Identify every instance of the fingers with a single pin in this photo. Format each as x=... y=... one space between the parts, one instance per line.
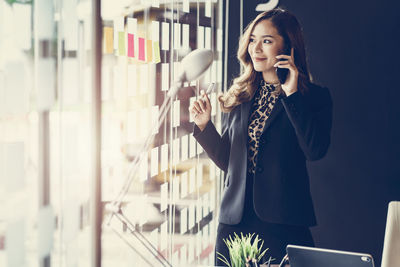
x=281 y=64
x=207 y=100
x=197 y=107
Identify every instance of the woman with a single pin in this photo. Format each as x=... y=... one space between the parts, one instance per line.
x=271 y=129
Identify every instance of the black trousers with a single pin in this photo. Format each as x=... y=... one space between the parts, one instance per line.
x=275 y=236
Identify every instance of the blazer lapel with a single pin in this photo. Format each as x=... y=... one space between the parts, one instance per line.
x=278 y=108
x=245 y=110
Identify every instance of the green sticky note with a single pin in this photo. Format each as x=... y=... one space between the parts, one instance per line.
x=121 y=43
x=156 y=51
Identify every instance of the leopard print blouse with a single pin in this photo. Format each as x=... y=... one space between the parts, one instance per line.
x=265 y=99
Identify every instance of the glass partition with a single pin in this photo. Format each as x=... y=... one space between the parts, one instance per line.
x=160 y=192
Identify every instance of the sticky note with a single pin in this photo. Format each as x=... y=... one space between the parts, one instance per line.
x=143 y=167
x=154 y=119
x=151 y=82
x=45 y=82
x=184 y=147
x=208 y=37
x=156 y=51
x=176 y=113
x=219 y=71
x=164 y=196
x=219 y=39
x=191 y=250
x=175 y=258
x=198 y=243
x=165 y=76
x=155 y=30
x=184 y=217
x=164 y=157
x=132 y=25
x=46 y=226
x=213 y=100
x=118 y=27
x=71 y=219
x=177 y=70
x=184 y=184
x=204 y=205
x=44 y=13
x=142 y=44
x=175 y=151
x=185 y=36
x=192 y=178
x=70 y=80
x=149 y=50
x=121 y=43
x=192 y=147
x=184 y=259
x=199 y=175
x=144 y=122
x=213 y=72
x=164 y=235
x=108 y=40
x=132 y=29
x=23 y=33
x=144 y=78
x=185 y=7
x=132 y=80
x=175 y=188
x=155 y=3
x=199 y=210
x=154 y=162
x=200 y=37
x=207 y=9
x=165 y=36
x=131 y=45
x=12 y=165
x=177 y=35
x=15 y=246
x=191 y=216
x=212 y=199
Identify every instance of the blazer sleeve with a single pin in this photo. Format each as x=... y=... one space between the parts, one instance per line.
x=312 y=121
x=217 y=146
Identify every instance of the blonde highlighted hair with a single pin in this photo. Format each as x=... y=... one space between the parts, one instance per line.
x=245 y=86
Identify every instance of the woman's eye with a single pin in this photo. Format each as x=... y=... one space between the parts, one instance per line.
x=251 y=40
x=266 y=41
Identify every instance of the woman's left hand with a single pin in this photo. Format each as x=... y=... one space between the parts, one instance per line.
x=290 y=85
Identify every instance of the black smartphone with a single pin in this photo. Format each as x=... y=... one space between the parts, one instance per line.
x=282 y=72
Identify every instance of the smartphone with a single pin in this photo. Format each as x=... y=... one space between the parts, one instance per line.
x=282 y=72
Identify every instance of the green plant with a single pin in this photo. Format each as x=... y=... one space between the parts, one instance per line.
x=11 y=2
x=241 y=250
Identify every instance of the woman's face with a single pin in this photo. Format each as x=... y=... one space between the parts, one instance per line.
x=264 y=45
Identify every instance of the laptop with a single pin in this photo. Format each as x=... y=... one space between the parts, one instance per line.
x=300 y=256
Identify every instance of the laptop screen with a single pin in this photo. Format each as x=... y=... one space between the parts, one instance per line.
x=300 y=256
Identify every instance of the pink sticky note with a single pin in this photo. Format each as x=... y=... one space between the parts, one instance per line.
x=142 y=44
x=131 y=46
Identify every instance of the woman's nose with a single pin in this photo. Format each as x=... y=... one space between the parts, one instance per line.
x=258 y=47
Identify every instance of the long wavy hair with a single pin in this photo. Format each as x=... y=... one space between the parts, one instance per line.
x=245 y=86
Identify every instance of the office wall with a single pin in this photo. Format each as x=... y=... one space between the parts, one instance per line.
x=352 y=48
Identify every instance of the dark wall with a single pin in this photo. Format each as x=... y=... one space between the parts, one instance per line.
x=353 y=48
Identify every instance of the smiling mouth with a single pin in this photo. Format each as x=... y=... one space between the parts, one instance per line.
x=258 y=59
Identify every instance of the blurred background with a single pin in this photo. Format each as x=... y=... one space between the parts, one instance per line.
x=47 y=161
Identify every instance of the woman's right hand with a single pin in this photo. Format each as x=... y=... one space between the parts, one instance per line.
x=200 y=111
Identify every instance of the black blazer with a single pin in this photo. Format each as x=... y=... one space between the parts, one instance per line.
x=298 y=129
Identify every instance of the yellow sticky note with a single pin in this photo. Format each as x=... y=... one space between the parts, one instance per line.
x=108 y=40
x=121 y=43
x=156 y=48
x=149 y=47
